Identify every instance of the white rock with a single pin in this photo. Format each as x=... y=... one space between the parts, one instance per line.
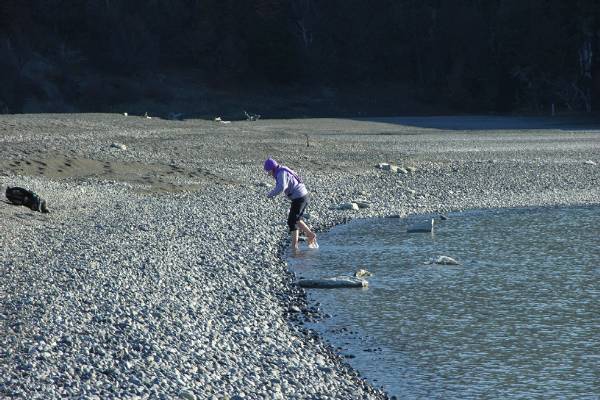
x=590 y=162
x=362 y=203
x=445 y=260
x=222 y=121
x=361 y=273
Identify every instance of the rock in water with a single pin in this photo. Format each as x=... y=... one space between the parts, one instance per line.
x=333 y=283
x=445 y=260
x=361 y=273
x=417 y=227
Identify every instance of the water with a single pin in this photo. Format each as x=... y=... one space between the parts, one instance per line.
x=519 y=318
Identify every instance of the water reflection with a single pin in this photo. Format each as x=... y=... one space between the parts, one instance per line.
x=518 y=318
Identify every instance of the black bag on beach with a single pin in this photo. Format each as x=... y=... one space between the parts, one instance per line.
x=23 y=197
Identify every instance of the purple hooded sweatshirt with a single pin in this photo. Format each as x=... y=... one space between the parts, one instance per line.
x=288 y=182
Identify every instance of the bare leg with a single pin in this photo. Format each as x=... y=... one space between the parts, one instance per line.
x=306 y=230
x=295 y=239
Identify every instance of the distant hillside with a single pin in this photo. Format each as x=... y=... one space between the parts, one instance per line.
x=299 y=57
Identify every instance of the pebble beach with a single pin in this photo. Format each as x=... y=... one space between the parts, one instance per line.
x=160 y=270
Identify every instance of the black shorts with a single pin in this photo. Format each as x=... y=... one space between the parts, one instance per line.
x=296 y=212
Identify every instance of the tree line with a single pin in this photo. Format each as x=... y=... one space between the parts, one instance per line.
x=471 y=55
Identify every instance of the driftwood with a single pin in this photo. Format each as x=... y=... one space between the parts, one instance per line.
x=426 y=227
x=333 y=283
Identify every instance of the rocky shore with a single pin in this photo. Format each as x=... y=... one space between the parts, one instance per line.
x=160 y=270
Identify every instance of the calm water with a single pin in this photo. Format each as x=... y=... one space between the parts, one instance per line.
x=520 y=318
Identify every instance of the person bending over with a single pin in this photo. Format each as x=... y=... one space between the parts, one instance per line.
x=288 y=182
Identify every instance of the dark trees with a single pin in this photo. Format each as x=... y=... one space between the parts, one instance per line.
x=471 y=55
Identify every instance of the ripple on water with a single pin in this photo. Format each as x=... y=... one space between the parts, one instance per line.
x=519 y=317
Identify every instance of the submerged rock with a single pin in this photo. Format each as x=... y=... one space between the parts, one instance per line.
x=443 y=260
x=333 y=283
x=418 y=227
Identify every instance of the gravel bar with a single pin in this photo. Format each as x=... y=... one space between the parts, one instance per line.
x=160 y=271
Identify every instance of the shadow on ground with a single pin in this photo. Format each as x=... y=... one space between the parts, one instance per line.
x=484 y=122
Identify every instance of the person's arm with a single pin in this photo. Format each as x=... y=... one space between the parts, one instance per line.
x=280 y=185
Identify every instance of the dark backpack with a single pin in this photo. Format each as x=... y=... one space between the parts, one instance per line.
x=27 y=198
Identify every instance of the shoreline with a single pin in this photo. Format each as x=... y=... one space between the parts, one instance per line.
x=352 y=339
x=166 y=261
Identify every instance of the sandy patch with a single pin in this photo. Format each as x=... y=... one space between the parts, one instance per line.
x=147 y=177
